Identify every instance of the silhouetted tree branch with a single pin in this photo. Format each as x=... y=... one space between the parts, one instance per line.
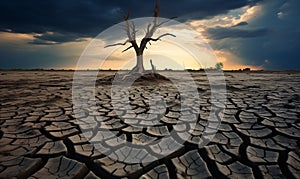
x=127 y=49
x=158 y=38
x=117 y=44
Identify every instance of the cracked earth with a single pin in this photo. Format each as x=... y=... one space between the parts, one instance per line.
x=40 y=135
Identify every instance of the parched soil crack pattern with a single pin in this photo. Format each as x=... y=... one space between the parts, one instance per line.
x=40 y=135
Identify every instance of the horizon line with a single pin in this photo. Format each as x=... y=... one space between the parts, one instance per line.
x=112 y=70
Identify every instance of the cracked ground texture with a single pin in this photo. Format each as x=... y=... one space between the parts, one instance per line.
x=40 y=136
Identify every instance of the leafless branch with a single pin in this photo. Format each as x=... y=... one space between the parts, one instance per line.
x=156 y=9
x=117 y=44
x=133 y=30
x=166 y=34
x=129 y=35
x=166 y=21
x=128 y=48
x=124 y=15
x=133 y=26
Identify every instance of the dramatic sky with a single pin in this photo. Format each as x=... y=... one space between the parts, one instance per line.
x=261 y=34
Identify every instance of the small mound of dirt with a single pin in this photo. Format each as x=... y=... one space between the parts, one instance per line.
x=139 y=79
x=152 y=77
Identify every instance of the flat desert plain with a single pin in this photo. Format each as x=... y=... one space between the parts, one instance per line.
x=42 y=134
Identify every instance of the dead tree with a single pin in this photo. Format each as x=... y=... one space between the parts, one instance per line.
x=130 y=29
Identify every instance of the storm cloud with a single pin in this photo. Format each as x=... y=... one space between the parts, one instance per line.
x=222 y=33
x=86 y=18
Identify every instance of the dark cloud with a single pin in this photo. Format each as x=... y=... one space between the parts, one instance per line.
x=55 y=38
x=279 y=45
x=47 y=57
x=222 y=33
x=88 y=17
x=241 y=24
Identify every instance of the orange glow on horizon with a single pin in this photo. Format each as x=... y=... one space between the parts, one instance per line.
x=117 y=61
x=231 y=62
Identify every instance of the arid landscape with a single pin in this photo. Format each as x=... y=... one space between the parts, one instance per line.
x=42 y=137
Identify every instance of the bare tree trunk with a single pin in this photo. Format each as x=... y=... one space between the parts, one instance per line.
x=139 y=67
x=139 y=64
